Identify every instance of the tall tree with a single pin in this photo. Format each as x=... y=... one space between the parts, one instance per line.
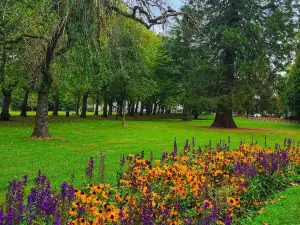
x=236 y=32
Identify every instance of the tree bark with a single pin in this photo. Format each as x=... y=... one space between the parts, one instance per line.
x=162 y=110
x=5 y=116
x=97 y=105
x=196 y=114
x=224 y=118
x=56 y=104
x=84 y=105
x=77 y=105
x=154 y=109
x=136 y=108
x=186 y=113
x=105 y=108
x=110 y=103
x=67 y=113
x=41 y=129
x=148 y=108
x=131 y=109
x=142 y=109
x=24 y=103
x=120 y=109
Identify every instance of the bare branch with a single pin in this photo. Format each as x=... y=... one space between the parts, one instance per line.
x=138 y=12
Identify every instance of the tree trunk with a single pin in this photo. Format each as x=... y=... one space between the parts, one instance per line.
x=77 y=105
x=97 y=105
x=186 y=113
x=136 y=108
x=105 y=108
x=56 y=104
x=24 y=103
x=5 y=116
x=154 y=109
x=131 y=109
x=120 y=109
x=110 y=107
x=41 y=129
x=67 y=113
x=224 y=118
x=84 y=105
x=148 y=108
x=196 y=114
x=162 y=110
x=142 y=109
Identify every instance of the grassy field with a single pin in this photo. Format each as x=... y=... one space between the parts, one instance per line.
x=74 y=140
x=286 y=210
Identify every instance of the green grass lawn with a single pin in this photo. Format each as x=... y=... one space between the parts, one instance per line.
x=75 y=140
x=285 y=211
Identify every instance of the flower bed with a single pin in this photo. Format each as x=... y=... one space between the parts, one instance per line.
x=192 y=187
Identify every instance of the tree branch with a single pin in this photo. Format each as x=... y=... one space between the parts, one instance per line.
x=23 y=36
x=149 y=20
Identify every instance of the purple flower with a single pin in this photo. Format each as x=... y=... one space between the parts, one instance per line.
x=14 y=202
x=67 y=191
x=25 y=179
x=193 y=142
x=122 y=160
x=227 y=220
x=89 y=169
x=41 y=201
x=57 y=219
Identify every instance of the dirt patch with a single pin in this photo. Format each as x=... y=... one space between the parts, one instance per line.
x=46 y=139
x=253 y=130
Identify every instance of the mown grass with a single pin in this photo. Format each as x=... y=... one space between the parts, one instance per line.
x=74 y=140
x=285 y=211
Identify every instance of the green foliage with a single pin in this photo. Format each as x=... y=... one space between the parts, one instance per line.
x=293 y=87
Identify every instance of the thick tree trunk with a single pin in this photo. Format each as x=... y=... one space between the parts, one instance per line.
x=224 y=118
x=56 y=104
x=110 y=107
x=84 y=105
x=24 y=103
x=5 y=116
x=67 y=113
x=77 y=105
x=105 y=108
x=97 y=105
x=41 y=129
x=162 y=110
